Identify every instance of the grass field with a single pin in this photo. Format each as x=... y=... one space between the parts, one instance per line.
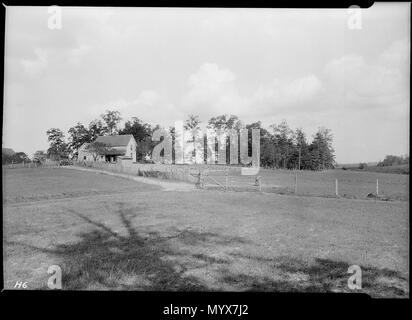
x=109 y=233
x=351 y=184
x=397 y=169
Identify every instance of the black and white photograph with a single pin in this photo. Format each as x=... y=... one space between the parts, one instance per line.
x=207 y=149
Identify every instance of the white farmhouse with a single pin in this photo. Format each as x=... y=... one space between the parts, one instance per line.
x=119 y=147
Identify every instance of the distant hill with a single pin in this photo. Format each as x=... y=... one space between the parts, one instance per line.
x=399 y=169
x=351 y=165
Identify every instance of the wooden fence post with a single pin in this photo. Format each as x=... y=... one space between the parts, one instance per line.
x=296 y=183
x=336 y=188
x=227 y=180
x=199 y=179
x=377 y=187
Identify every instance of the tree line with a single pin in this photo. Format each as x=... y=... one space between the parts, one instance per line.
x=280 y=146
x=9 y=156
x=391 y=160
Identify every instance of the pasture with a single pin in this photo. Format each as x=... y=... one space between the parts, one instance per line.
x=109 y=233
x=351 y=184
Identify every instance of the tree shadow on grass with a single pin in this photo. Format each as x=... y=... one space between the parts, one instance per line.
x=106 y=260
x=319 y=275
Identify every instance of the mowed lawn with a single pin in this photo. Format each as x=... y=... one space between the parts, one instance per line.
x=109 y=233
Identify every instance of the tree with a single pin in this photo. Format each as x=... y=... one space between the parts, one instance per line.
x=225 y=122
x=321 y=150
x=265 y=143
x=97 y=148
x=79 y=135
x=172 y=132
x=19 y=157
x=97 y=128
x=112 y=119
x=7 y=151
x=391 y=160
x=301 y=154
x=142 y=134
x=192 y=124
x=58 y=148
x=9 y=156
x=6 y=155
x=283 y=147
x=39 y=156
x=144 y=148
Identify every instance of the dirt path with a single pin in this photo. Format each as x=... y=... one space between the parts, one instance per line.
x=166 y=185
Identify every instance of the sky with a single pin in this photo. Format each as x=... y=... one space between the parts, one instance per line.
x=305 y=66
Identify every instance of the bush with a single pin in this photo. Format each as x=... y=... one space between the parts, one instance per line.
x=65 y=162
x=145 y=161
x=363 y=166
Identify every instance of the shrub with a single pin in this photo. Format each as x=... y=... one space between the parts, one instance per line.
x=65 y=162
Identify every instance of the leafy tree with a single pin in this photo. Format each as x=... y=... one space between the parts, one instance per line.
x=78 y=136
x=225 y=122
x=192 y=124
x=7 y=151
x=9 y=156
x=282 y=144
x=265 y=142
x=97 y=148
x=156 y=127
x=112 y=119
x=391 y=160
x=321 y=150
x=172 y=131
x=144 y=148
x=58 y=148
x=137 y=128
x=19 y=157
x=39 y=156
x=6 y=155
x=97 y=128
x=142 y=133
x=301 y=154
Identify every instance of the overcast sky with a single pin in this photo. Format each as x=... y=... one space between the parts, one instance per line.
x=304 y=66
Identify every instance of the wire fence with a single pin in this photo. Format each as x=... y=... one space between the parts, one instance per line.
x=331 y=183
x=168 y=172
x=30 y=164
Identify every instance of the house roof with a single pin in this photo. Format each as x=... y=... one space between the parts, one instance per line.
x=115 y=141
x=84 y=146
x=115 y=151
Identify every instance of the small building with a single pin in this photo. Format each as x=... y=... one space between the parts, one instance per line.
x=119 y=147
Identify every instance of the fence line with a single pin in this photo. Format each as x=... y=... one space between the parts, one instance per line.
x=229 y=178
x=31 y=165
x=336 y=188
x=377 y=187
x=170 y=172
